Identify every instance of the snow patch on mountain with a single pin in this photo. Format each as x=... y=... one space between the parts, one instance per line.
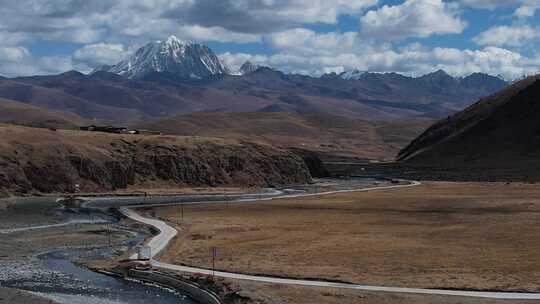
x=248 y=68
x=352 y=75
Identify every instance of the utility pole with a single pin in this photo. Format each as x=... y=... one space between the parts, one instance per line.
x=109 y=234
x=214 y=253
x=180 y=218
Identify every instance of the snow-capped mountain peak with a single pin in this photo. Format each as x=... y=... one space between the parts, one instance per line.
x=183 y=59
x=248 y=67
x=173 y=41
x=352 y=75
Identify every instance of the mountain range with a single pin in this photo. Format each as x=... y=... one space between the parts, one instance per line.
x=170 y=79
x=101 y=95
x=174 y=77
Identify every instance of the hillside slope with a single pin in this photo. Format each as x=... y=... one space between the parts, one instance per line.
x=498 y=137
x=18 y=113
x=55 y=94
x=316 y=132
x=40 y=160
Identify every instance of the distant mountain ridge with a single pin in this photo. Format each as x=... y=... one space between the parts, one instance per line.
x=190 y=60
x=173 y=77
x=438 y=78
x=352 y=74
x=109 y=96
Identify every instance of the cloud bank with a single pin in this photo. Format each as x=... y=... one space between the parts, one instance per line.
x=301 y=36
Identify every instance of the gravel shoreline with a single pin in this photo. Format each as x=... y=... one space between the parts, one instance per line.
x=16 y=296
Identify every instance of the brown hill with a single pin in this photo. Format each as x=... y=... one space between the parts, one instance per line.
x=56 y=99
x=316 y=132
x=41 y=160
x=496 y=138
x=14 y=112
x=145 y=98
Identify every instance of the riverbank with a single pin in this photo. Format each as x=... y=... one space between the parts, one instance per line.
x=14 y=296
x=41 y=238
x=40 y=254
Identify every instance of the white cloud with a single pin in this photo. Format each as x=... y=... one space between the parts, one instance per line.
x=319 y=10
x=308 y=41
x=527 y=9
x=85 y=22
x=39 y=20
x=13 y=61
x=100 y=53
x=36 y=66
x=108 y=30
x=412 y=60
x=263 y=16
x=77 y=35
x=16 y=53
x=54 y=64
x=513 y=36
x=8 y=38
x=413 y=18
x=219 y=34
x=489 y=4
x=235 y=60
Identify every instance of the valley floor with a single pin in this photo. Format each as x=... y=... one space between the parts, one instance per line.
x=480 y=236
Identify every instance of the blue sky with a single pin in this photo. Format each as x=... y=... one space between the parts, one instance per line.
x=299 y=36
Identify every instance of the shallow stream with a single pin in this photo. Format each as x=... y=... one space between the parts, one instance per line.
x=54 y=275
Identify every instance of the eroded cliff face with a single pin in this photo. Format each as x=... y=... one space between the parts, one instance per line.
x=314 y=162
x=40 y=160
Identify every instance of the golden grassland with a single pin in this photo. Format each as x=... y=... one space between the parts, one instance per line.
x=439 y=235
x=274 y=294
x=329 y=133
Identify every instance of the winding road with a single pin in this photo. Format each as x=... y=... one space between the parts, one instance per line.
x=167 y=233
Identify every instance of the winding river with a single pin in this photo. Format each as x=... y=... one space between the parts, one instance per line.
x=61 y=280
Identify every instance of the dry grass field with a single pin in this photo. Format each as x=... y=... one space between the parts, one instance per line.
x=438 y=235
x=319 y=132
x=279 y=294
x=20 y=113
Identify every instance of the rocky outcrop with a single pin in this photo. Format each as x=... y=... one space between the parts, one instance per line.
x=313 y=161
x=66 y=162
